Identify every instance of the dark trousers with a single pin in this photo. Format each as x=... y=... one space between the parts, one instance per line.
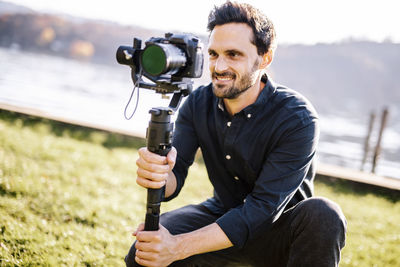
x=312 y=233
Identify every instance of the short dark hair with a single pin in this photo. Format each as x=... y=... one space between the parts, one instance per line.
x=263 y=29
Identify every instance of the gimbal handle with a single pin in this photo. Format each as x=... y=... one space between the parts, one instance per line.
x=159 y=140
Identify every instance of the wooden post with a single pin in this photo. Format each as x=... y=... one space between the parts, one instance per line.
x=367 y=139
x=378 y=144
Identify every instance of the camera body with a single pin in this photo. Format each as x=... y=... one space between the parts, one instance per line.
x=170 y=62
x=176 y=47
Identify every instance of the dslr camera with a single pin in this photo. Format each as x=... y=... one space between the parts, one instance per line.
x=169 y=62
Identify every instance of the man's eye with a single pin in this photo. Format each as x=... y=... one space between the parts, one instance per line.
x=212 y=54
x=233 y=54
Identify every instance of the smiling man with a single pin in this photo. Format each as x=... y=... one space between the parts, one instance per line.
x=258 y=141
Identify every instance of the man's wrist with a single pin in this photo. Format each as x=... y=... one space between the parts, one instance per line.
x=182 y=247
x=203 y=240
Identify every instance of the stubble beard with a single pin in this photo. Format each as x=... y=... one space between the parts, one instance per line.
x=235 y=90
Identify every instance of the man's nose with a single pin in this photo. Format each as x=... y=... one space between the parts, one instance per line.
x=220 y=65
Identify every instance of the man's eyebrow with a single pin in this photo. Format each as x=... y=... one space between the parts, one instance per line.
x=235 y=51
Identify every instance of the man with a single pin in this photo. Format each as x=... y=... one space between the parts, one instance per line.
x=258 y=141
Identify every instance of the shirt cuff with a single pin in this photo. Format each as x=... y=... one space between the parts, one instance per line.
x=234 y=227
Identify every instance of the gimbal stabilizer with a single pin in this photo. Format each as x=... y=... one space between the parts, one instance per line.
x=169 y=63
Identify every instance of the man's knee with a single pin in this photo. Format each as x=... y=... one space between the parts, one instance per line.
x=318 y=230
x=321 y=204
x=325 y=216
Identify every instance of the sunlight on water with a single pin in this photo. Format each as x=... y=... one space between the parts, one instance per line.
x=74 y=90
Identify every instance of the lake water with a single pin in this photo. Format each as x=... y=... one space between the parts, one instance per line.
x=97 y=95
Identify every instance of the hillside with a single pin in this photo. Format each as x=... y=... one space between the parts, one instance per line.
x=81 y=39
x=355 y=76
x=9 y=8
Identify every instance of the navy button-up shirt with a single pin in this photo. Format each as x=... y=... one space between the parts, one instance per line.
x=259 y=160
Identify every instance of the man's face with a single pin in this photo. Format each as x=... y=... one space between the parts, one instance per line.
x=233 y=59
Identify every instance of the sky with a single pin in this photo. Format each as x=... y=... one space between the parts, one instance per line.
x=296 y=21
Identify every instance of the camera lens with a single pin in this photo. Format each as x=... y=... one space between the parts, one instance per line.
x=160 y=59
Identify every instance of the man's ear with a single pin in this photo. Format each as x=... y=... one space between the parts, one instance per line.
x=267 y=59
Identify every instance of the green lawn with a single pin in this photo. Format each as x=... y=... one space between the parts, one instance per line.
x=68 y=198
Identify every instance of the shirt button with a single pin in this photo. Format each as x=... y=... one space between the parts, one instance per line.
x=249 y=115
x=228 y=157
x=236 y=178
x=229 y=123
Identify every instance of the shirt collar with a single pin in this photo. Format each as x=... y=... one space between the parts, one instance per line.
x=221 y=105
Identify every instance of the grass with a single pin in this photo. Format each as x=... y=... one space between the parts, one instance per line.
x=68 y=198
x=373 y=229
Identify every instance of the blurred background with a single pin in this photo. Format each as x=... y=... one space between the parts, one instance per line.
x=57 y=59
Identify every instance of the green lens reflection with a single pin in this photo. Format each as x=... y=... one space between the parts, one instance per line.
x=154 y=60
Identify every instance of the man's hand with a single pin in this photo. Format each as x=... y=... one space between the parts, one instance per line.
x=160 y=248
x=155 y=248
x=154 y=170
